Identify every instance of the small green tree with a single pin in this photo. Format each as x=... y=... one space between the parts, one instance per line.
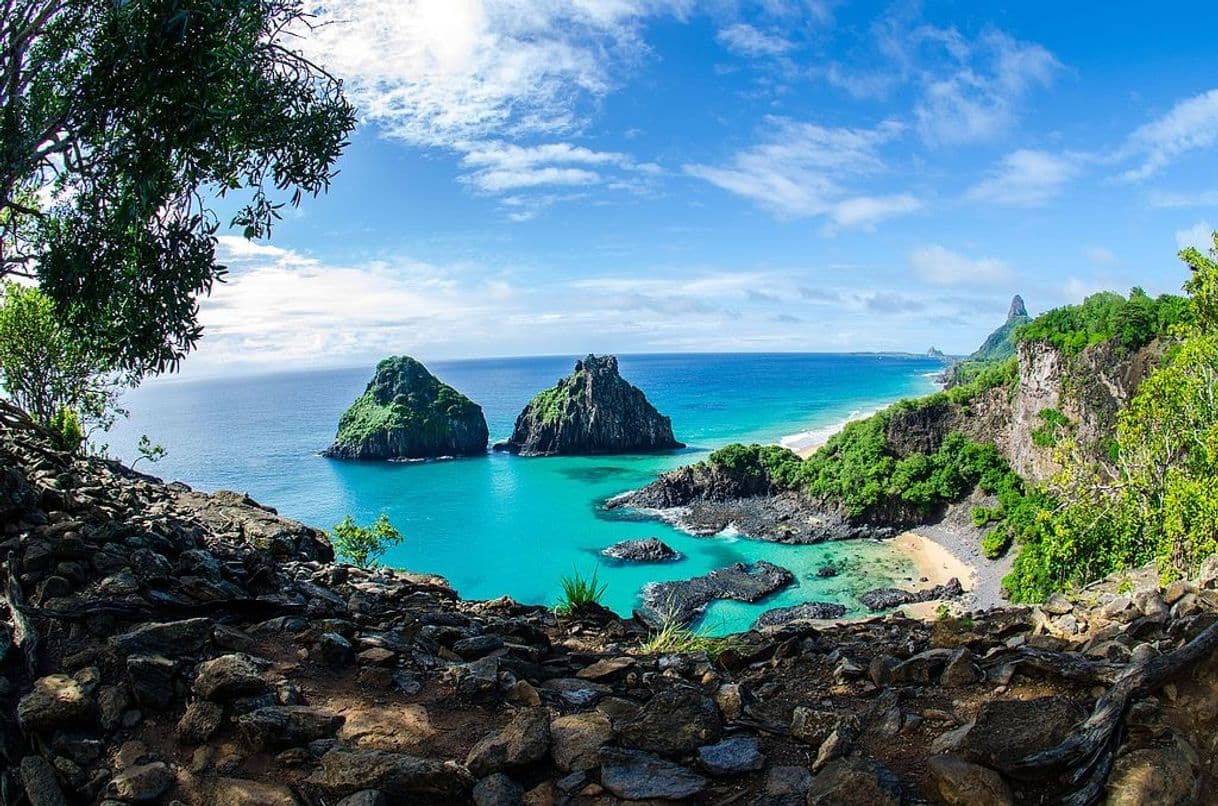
x=364 y=545
x=46 y=372
x=149 y=451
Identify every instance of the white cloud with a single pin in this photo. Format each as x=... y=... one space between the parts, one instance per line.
x=499 y=166
x=745 y=40
x=1026 y=177
x=1191 y=124
x=974 y=88
x=1203 y=198
x=939 y=265
x=798 y=169
x=1200 y=235
x=436 y=72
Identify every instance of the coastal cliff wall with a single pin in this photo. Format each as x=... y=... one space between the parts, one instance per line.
x=1087 y=390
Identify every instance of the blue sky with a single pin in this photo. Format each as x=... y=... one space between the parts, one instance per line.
x=563 y=176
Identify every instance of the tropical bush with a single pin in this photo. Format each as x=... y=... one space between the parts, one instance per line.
x=364 y=545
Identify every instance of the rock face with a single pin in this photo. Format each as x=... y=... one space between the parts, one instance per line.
x=592 y=411
x=408 y=413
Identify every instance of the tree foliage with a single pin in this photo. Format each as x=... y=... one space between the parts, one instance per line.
x=46 y=372
x=364 y=545
x=1131 y=321
x=121 y=126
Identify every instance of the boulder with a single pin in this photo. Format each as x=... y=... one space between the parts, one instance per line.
x=960 y=783
x=855 y=782
x=171 y=639
x=229 y=677
x=888 y=598
x=287 y=726
x=40 y=783
x=646 y=550
x=141 y=783
x=1007 y=730
x=734 y=756
x=152 y=680
x=498 y=790
x=407 y=413
x=674 y=721
x=403 y=778
x=201 y=720
x=577 y=739
x=592 y=411
x=523 y=741
x=635 y=775
x=56 y=701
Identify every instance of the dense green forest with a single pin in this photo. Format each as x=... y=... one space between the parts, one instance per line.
x=1155 y=498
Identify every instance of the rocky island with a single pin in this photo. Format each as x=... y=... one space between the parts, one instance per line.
x=408 y=413
x=594 y=410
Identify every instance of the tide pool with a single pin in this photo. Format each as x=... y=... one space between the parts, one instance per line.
x=503 y=524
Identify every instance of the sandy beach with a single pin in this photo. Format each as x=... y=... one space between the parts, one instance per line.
x=940 y=552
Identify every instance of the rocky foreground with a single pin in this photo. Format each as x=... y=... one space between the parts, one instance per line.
x=161 y=645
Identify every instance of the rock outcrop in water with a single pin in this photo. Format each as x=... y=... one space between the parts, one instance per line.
x=408 y=413
x=646 y=550
x=592 y=411
x=683 y=601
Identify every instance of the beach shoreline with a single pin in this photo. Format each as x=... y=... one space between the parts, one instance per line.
x=940 y=552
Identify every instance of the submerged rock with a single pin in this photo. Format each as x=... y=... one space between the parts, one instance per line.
x=888 y=598
x=683 y=601
x=647 y=550
x=408 y=413
x=808 y=611
x=592 y=411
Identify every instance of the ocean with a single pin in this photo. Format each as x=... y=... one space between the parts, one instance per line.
x=503 y=524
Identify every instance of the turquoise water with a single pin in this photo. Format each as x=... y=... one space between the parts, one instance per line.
x=502 y=524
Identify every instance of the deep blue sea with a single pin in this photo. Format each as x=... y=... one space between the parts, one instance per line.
x=509 y=525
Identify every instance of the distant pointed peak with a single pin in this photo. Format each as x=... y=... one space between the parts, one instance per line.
x=1017 y=308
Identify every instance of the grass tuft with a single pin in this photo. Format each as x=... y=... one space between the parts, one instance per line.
x=578 y=591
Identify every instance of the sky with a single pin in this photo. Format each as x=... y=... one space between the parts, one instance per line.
x=536 y=177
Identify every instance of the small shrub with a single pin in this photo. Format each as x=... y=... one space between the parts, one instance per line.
x=578 y=591
x=996 y=542
x=66 y=430
x=364 y=545
x=943 y=612
x=148 y=451
x=984 y=516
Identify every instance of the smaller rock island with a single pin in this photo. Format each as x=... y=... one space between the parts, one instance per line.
x=591 y=411
x=408 y=413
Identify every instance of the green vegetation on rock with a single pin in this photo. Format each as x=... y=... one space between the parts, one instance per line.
x=406 y=412
x=1131 y=322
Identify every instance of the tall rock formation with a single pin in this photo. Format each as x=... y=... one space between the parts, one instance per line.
x=408 y=413
x=593 y=410
x=1000 y=344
